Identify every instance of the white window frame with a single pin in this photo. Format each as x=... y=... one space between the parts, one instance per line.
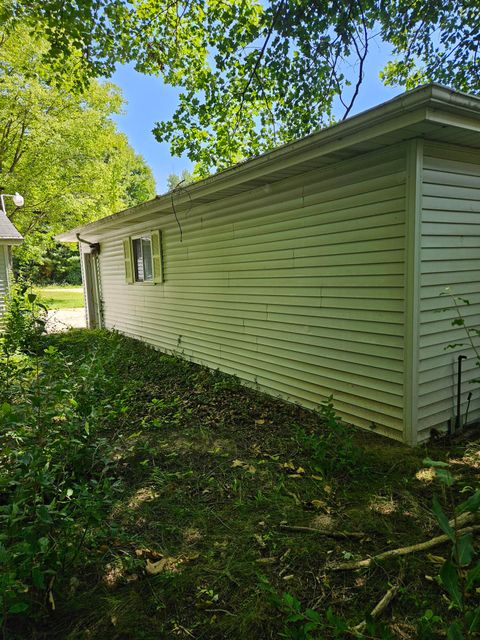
x=142 y=236
x=155 y=237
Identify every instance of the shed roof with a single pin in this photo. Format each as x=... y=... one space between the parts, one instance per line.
x=8 y=232
x=431 y=112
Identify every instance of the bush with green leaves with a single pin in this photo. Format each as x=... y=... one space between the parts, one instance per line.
x=337 y=439
x=459 y=576
x=24 y=321
x=56 y=475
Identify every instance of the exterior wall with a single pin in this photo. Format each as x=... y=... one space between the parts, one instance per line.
x=450 y=257
x=297 y=287
x=4 y=275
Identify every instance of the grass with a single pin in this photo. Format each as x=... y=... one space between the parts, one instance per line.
x=55 y=297
x=208 y=473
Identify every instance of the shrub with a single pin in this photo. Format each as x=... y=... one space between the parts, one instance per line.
x=24 y=321
x=56 y=474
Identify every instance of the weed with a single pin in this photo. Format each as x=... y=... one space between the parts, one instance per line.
x=142 y=530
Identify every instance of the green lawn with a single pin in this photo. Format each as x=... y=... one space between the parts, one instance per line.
x=175 y=497
x=55 y=297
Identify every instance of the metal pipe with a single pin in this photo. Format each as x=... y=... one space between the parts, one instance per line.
x=458 y=419
x=469 y=398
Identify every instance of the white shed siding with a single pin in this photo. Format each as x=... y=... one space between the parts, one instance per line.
x=297 y=287
x=3 y=276
x=450 y=256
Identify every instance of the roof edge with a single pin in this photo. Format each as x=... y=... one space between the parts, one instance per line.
x=430 y=95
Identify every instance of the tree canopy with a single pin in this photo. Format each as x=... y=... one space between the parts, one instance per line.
x=254 y=74
x=60 y=149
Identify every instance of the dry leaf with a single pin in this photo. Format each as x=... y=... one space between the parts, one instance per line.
x=259 y=422
x=259 y=539
x=300 y=470
x=271 y=560
x=319 y=504
x=238 y=463
x=435 y=559
x=152 y=568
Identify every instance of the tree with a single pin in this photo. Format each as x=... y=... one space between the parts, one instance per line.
x=256 y=74
x=175 y=182
x=60 y=149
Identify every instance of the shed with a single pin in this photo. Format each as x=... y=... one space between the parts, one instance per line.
x=317 y=268
x=9 y=236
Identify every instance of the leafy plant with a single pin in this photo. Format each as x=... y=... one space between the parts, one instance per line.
x=333 y=450
x=24 y=321
x=308 y=624
x=472 y=333
x=56 y=472
x=460 y=573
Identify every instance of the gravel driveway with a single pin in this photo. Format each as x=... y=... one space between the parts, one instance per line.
x=64 y=319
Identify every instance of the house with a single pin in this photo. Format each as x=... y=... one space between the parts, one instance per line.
x=317 y=268
x=9 y=236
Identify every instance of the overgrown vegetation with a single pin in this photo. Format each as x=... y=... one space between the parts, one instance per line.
x=146 y=497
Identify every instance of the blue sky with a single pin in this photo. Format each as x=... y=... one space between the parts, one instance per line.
x=149 y=100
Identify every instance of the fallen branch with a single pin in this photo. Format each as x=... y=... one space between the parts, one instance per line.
x=402 y=551
x=379 y=608
x=325 y=532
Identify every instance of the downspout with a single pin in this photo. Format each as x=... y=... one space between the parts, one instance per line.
x=458 y=417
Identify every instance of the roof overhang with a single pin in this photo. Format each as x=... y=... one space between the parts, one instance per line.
x=11 y=241
x=431 y=112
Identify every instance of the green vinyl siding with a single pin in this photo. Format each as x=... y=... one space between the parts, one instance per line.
x=296 y=287
x=450 y=257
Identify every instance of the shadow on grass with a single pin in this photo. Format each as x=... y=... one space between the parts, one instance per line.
x=210 y=470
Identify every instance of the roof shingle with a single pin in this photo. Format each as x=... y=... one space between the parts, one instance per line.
x=7 y=230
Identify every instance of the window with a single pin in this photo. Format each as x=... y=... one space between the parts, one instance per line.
x=143 y=258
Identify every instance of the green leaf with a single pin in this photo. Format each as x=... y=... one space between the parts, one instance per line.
x=435 y=463
x=473 y=577
x=37 y=578
x=44 y=514
x=472 y=504
x=442 y=519
x=455 y=632
x=312 y=615
x=473 y=620
x=463 y=550
x=449 y=579
x=18 y=607
x=444 y=476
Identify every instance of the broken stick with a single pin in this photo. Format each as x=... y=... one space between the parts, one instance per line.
x=401 y=551
x=331 y=533
x=379 y=608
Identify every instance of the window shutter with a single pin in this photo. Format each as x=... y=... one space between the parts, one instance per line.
x=157 y=256
x=127 y=256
